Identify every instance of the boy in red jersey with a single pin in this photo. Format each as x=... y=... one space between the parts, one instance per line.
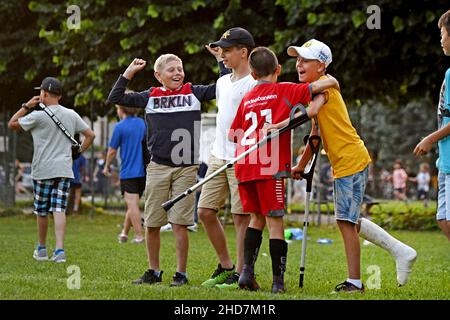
x=261 y=173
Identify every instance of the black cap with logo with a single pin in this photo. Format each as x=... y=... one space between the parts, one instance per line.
x=233 y=37
x=51 y=85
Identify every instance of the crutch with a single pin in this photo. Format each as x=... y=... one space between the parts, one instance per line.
x=314 y=143
x=293 y=123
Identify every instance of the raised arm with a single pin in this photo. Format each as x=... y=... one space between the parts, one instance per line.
x=13 y=123
x=134 y=99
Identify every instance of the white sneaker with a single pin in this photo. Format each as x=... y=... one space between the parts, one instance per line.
x=193 y=228
x=404 y=262
x=138 y=240
x=167 y=227
x=40 y=255
x=58 y=258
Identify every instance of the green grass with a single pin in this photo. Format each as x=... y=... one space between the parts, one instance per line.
x=108 y=267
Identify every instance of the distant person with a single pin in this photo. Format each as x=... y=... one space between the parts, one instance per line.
x=19 y=188
x=423 y=180
x=128 y=136
x=386 y=183
x=52 y=160
x=399 y=179
x=99 y=178
x=441 y=136
x=79 y=168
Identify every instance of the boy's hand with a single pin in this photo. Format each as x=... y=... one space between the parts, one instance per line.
x=107 y=171
x=33 y=102
x=267 y=128
x=423 y=147
x=216 y=52
x=135 y=66
x=296 y=172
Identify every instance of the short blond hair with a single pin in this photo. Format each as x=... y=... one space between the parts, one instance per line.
x=163 y=60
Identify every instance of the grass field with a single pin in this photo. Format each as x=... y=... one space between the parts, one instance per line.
x=107 y=267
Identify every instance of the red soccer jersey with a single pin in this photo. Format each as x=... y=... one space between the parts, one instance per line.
x=265 y=103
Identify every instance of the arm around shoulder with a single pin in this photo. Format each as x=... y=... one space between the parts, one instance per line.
x=321 y=85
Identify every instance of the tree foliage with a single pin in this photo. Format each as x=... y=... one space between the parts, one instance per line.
x=393 y=66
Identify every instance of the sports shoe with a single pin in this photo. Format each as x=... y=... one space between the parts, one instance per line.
x=122 y=238
x=40 y=254
x=149 y=277
x=219 y=276
x=178 y=280
x=193 y=228
x=58 y=256
x=247 y=279
x=231 y=283
x=348 y=287
x=404 y=262
x=167 y=227
x=278 y=284
x=138 y=240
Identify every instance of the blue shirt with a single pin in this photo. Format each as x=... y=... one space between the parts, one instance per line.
x=76 y=168
x=128 y=135
x=443 y=162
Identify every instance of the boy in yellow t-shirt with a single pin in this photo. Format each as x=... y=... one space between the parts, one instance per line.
x=350 y=160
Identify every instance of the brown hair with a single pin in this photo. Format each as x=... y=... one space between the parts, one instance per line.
x=263 y=62
x=444 y=21
x=249 y=49
x=129 y=111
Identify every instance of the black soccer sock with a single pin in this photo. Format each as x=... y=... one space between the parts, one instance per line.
x=278 y=253
x=252 y=242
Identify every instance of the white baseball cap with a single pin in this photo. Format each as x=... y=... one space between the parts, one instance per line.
x=312 y=49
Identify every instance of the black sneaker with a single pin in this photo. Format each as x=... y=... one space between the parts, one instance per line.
x=348 y=287
x=247 y=279
x=149 y=277
x=178 y=280
x=278 y=284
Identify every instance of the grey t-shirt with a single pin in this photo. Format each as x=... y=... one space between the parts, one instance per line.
x=52 y=157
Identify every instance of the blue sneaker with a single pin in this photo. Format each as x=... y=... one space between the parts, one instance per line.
x=40 y=254
x=58 y=256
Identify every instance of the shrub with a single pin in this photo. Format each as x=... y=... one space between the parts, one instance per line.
x=404 y=216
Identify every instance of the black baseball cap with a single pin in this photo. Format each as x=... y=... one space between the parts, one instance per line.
x=233 y=37
x=51 y=85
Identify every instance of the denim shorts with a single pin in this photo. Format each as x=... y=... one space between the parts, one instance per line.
x=443 y=211
x=348 y=195
x=50 y=195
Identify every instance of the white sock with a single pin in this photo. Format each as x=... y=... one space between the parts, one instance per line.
x=377 y=235
x=355 y=282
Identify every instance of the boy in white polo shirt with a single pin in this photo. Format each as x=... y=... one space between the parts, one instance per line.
x=233 y=48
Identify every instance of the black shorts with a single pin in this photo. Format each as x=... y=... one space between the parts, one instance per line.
x=133 y=185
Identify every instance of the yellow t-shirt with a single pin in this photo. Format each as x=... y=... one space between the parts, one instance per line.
x=346 y=151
